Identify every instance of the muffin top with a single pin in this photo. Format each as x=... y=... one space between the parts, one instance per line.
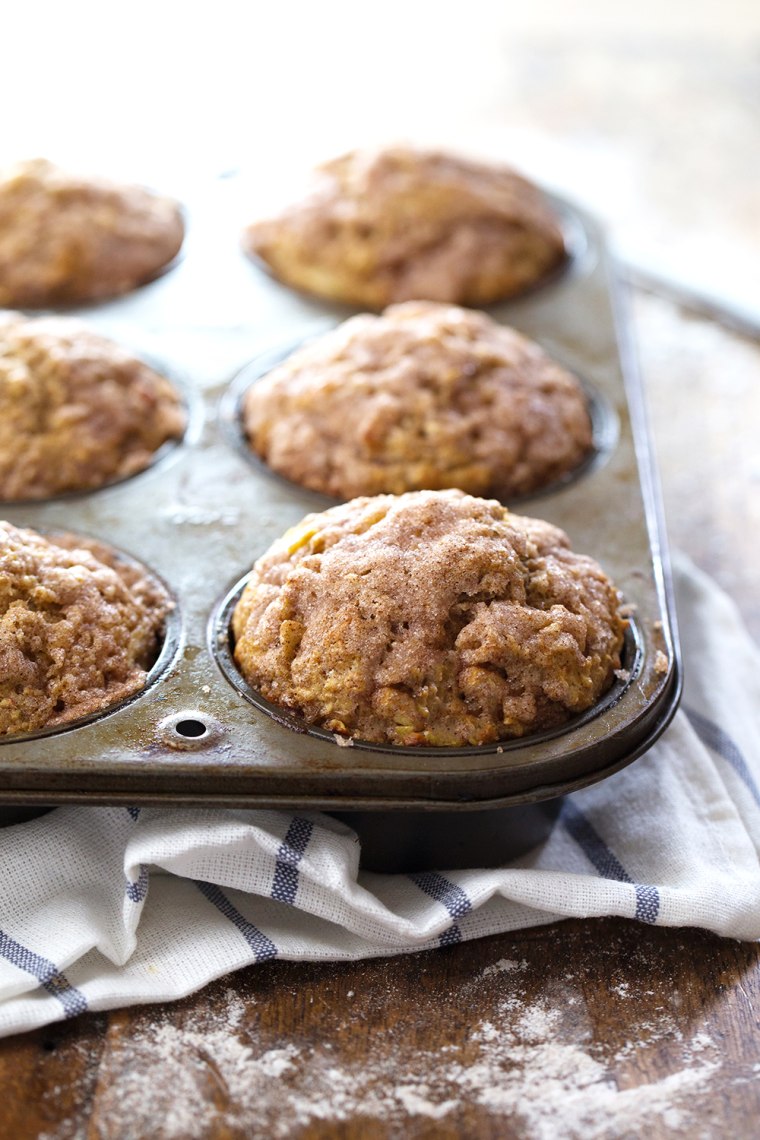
x=402 y=224
x=431 y=618
x=66 y=239
x=78 y=629
x=425 y=396
x=76 y=411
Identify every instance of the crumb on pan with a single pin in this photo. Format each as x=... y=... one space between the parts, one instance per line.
x=376 y=227
x=76 y=411
x=431 y=618
x=66 y=239
x=79 y=629
x=426 y=396
x=660 y=662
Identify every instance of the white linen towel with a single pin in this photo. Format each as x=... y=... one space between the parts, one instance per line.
x=106 y=907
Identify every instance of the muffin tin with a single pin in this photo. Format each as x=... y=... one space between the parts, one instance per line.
x=201 y=514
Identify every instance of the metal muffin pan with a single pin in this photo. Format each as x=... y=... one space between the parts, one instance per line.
x=201 y=515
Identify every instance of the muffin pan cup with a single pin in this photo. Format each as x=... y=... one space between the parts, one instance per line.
x=202 y=516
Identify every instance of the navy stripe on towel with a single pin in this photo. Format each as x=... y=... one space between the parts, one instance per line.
x=47 y=974
x=289 y=855
x=647 y=904
x=718 y=740
x=451 y=936
x=592 y=844
x=606 y=862
x=136 y=892
x=447 y=894
x=262 y=946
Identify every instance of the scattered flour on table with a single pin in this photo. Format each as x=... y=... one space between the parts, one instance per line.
x=504 y=966
x=530 y=1062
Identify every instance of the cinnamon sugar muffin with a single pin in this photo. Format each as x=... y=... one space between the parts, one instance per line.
x=76 y=411
x=78 y=629
x=425 y=396
x=401 y=224
x=66 y=239
x=432 y=618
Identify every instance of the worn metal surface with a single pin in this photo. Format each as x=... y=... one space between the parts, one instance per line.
x=202 y=515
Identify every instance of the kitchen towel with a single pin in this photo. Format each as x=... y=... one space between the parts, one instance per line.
x=106 y=907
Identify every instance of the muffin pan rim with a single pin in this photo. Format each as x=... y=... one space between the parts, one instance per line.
x=171 y=643
x=605 y=429
x=74 y=307
x=221 y=649
x=167 y=453
x=578 y=255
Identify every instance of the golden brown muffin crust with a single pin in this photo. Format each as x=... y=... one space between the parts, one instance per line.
x=401 y=224
x=78 y=629
x=76 y=410
x=431 y=618
x=65 y=239
x=425 y=396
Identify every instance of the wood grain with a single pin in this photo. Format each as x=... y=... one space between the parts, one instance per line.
x=391 y=1041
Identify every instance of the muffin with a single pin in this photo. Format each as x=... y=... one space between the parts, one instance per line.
x=76 y=411
x=431 y=618
x=402 y=224
x=78 y=629
x=424 y=396
x=66 y=239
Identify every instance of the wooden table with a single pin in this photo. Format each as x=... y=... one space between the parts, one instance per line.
x=601 y=1028
x=577 y=1029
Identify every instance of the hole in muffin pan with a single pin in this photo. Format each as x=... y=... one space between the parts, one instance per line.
x=221 y=646
x=166 y=655
x=605 y=429
x=189 y=729
x=168 y=452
